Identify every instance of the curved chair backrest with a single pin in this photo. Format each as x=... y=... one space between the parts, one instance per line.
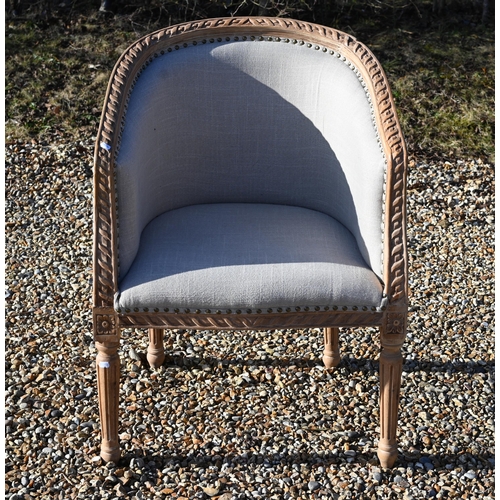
x=249 y=110
x=239 y=119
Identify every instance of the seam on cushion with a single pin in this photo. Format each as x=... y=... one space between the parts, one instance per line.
x=232 y=39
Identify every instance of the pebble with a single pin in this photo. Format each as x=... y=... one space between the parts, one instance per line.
x=313 y=485
x=245 y=414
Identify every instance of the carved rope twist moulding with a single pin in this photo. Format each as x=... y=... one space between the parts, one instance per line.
x=105 y=264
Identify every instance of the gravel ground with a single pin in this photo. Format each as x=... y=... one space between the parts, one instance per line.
x=246 y=414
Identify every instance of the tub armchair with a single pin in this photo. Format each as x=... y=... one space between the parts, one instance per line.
x=249 y=174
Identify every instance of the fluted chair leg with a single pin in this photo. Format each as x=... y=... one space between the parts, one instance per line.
x=331 y=354
x=156 y=350
x=391 y=364
x=108 y=383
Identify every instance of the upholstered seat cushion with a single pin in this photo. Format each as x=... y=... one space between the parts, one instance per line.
x=247 y=256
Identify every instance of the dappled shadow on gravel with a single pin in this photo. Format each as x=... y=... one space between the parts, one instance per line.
x=202 y=463
x=365 y=365
x=250 y=416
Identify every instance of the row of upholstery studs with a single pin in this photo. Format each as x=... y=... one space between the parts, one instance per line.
x=244 y=38
x=257 y=311
x=261 y=38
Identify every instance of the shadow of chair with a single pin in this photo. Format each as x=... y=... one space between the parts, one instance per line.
x=249 y=174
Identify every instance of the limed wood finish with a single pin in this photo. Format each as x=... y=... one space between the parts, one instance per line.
x=108 y=381
x=331 y=354
x=391 y=319
x=156 y=351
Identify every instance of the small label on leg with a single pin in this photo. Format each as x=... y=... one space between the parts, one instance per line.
x=103 y=364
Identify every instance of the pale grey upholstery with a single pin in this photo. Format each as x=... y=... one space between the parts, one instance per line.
x=220 y=133
x=247 y=255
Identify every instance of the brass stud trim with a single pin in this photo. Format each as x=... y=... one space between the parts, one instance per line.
x=269 y=310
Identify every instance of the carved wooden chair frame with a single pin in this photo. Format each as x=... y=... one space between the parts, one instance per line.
x=391 y=319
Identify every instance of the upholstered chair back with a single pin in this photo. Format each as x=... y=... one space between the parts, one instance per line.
x=250 y=120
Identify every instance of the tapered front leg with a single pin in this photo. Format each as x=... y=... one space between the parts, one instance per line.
x=156 y=350
x=391 y=365
x=331 y=354
x=107 y=341
x=108 y=380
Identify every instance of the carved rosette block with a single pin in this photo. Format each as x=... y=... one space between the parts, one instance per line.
x=156 y=350
x=396 y=324
x=105 y=324
x=331 y=354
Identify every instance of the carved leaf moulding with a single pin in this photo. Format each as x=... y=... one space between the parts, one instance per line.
x=249 y=321
x=141 y=51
